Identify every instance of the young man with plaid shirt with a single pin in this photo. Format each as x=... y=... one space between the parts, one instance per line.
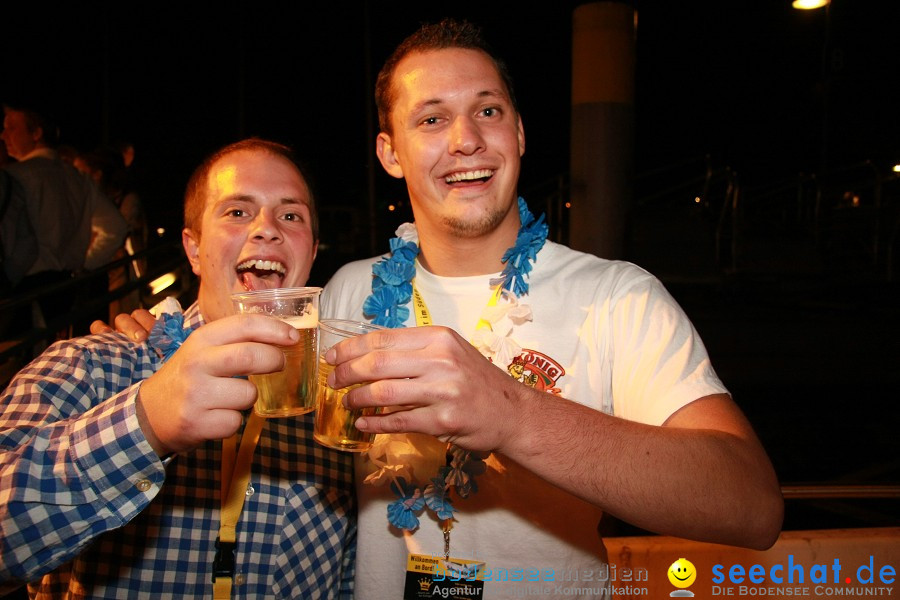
x=110 y=451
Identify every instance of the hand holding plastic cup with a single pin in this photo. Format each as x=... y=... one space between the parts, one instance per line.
x=291 y=391
x=334 y=425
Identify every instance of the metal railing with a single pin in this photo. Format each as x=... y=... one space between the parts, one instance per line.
x=162 y=258
x=828 y=490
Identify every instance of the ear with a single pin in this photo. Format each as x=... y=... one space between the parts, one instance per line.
x=191 y=243
x=384 y=148
x=521 y=136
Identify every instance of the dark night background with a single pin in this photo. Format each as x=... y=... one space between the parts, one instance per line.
x=742 y=81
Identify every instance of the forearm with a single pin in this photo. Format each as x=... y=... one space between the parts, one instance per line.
x=702 y=484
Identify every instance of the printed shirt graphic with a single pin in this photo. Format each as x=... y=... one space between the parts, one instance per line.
x=536 y=370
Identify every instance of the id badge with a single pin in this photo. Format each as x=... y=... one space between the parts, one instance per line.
x=451 y=578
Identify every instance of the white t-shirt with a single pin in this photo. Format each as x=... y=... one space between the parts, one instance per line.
x=605 y=334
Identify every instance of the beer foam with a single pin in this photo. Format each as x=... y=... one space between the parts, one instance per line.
x=304 y=321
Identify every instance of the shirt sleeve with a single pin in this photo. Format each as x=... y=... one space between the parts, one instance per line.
x=108 y=230
x=659 y=361
x=73 y=460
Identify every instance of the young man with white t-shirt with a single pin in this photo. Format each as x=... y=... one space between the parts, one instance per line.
x=552 y=386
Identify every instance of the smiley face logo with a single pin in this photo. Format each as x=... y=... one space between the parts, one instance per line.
x=682 y=573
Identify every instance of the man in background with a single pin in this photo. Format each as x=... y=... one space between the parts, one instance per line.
x=76 y=226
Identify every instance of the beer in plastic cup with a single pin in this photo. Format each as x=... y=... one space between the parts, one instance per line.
x=291 y=391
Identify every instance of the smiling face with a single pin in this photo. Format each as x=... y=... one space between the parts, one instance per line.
x=682 y=573
x=255 y=230
x=457 y=140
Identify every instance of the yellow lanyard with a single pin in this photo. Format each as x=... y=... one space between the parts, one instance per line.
x=235 y=476
x=423 y=317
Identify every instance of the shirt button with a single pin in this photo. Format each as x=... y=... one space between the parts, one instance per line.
x=250 y=490
x=144 y=485
x=239 y=579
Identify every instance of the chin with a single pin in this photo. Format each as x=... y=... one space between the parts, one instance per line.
x=474 y=227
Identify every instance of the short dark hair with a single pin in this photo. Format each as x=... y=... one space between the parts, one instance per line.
x=195 y=193
x=36 y=117
x=447 y=33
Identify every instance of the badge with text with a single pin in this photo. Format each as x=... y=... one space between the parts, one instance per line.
x=454 y=578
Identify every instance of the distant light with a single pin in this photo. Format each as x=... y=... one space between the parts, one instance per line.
x=568 y=205
x=896 y=168
x=161 y=283
x=160 y=231
x=697 y=200
x=391 y=207
x=809 y=4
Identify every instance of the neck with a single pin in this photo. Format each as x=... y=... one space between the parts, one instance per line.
x=450 y=255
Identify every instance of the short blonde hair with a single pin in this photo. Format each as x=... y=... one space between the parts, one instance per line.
x=195 y=193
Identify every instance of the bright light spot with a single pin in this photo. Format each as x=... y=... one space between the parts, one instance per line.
x=697 y=200
x=161 y=283
x=896 y=168
x=160 y=231
x=809 y=4
x=391 y=207
x=568 y=205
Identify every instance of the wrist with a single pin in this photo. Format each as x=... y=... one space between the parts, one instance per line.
x=522 y=402
x=147 y=429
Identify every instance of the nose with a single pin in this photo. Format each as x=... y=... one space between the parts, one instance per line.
x=465 y=136
x=265 y=227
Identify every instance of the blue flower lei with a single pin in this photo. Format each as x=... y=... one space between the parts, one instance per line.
x=167 y=334
x=392 y=281
x=387 y=306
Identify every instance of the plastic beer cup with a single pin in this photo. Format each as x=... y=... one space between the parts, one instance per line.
x=334 y=425
x=291 y=391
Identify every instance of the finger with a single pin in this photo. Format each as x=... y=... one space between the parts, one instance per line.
x=131 y=328
x=227 y=393
x=409 y=421
x=144 y=318
x=433 y=356
x=396 y=394
x=221 y=424
x=248 y=328
x=406 y=339
x=243 y=358
x=99 y=326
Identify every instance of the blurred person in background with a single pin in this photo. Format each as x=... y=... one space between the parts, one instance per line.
x=77 y=227
x=106 y=168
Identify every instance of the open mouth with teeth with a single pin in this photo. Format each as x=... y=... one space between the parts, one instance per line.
x=468 y=177
x=256 y=274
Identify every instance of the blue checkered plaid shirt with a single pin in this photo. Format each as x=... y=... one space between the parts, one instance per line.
x=87 y=508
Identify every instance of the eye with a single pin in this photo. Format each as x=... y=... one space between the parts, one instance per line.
x=293 y=217
x=491 y=111
x=236 y=212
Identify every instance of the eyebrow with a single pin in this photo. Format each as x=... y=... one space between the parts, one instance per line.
x=492 y=93
x=252 y=199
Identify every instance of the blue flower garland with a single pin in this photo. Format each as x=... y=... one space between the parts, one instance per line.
x=387 y=306
x=392 y=281
x=167 y=334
